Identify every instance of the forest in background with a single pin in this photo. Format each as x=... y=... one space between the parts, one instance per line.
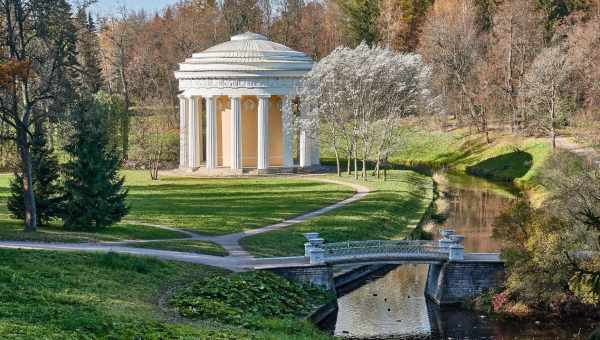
x=525 y=66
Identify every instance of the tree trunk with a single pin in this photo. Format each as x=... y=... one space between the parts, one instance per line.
x=29 y=197
x=553 y=125
x=364 y=163
x=337 y=162
x=125 y=121
x=349 y=163
x=355 y=164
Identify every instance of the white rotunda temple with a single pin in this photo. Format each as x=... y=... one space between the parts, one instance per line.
x=236 y=107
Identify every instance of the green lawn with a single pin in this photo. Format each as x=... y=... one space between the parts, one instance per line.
x=224 y=206
x=52 y=295
x=11 y=229
x=209 y=206
x=390 y=212
x=198 y=247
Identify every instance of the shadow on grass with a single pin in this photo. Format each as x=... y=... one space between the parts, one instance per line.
x=506 y=167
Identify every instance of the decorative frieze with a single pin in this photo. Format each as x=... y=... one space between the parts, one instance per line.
x=223 y=83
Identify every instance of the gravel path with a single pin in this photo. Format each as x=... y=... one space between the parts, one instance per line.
x=589 y=153
x=238 y=258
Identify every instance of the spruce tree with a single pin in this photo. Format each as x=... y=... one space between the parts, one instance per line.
x=45 y=180
x=88 y=49
x=94 y=196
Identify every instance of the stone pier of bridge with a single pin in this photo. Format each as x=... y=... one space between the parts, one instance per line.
x=453 y=276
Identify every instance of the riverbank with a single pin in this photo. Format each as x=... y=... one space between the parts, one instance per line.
x=507 y=159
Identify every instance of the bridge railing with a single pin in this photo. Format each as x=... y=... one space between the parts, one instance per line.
x=381 y=247
x=450 y=246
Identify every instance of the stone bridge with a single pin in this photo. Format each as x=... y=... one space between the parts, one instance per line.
x=454 y=276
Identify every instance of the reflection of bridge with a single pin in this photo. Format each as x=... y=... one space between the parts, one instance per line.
x=453 y=274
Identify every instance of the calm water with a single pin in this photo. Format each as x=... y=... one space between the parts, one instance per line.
x=472 y=204
x=391 y=304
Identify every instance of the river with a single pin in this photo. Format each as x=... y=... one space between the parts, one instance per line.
x=391 y=304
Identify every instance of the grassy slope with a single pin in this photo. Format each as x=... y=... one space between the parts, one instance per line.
x=386 y=213
x=499 y=160
x=211 y=206
x=223 y=206
x=50 y=295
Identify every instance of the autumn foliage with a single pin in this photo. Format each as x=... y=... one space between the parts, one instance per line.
x=14 y=70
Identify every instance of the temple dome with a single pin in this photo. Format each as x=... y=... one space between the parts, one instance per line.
x=246 y=55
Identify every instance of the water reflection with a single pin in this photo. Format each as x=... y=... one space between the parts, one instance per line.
x=391 y=305
x=472 y=208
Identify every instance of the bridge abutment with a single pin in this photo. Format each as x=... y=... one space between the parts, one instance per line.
x=458 y=281
x=317 y=275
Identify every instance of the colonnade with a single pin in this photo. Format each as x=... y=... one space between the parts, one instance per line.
x=191 y=134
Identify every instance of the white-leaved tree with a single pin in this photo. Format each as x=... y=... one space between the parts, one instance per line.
x=361 y=96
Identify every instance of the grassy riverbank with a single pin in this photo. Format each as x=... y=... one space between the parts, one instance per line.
x=506 y=159
x=390 y=211
x=51 y=295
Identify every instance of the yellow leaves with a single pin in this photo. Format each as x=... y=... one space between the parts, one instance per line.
x=14 y=70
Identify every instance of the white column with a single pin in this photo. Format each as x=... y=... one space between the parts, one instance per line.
x=286 y=129
x=211 y=133
x=305 y=148
x=236 y=140
x=183 y=133
x=263 y=132
x=194 y=133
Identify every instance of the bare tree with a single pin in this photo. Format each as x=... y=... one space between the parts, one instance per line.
x=517 y=37
x=543 y=89
x=452 y=45
x=119 y=35
x=36 y=55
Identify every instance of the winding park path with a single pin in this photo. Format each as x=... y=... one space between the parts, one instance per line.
x=585 y=152
x=238 y=258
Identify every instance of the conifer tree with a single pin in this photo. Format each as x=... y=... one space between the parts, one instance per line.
x=45 y=179
x=88 y=48
x=94 y=196
x=361 y=20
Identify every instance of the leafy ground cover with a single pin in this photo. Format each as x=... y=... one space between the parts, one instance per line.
x=248 y=299
x=391 y=211
x=224 y=206
x=52 y=295
x=191 y=246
